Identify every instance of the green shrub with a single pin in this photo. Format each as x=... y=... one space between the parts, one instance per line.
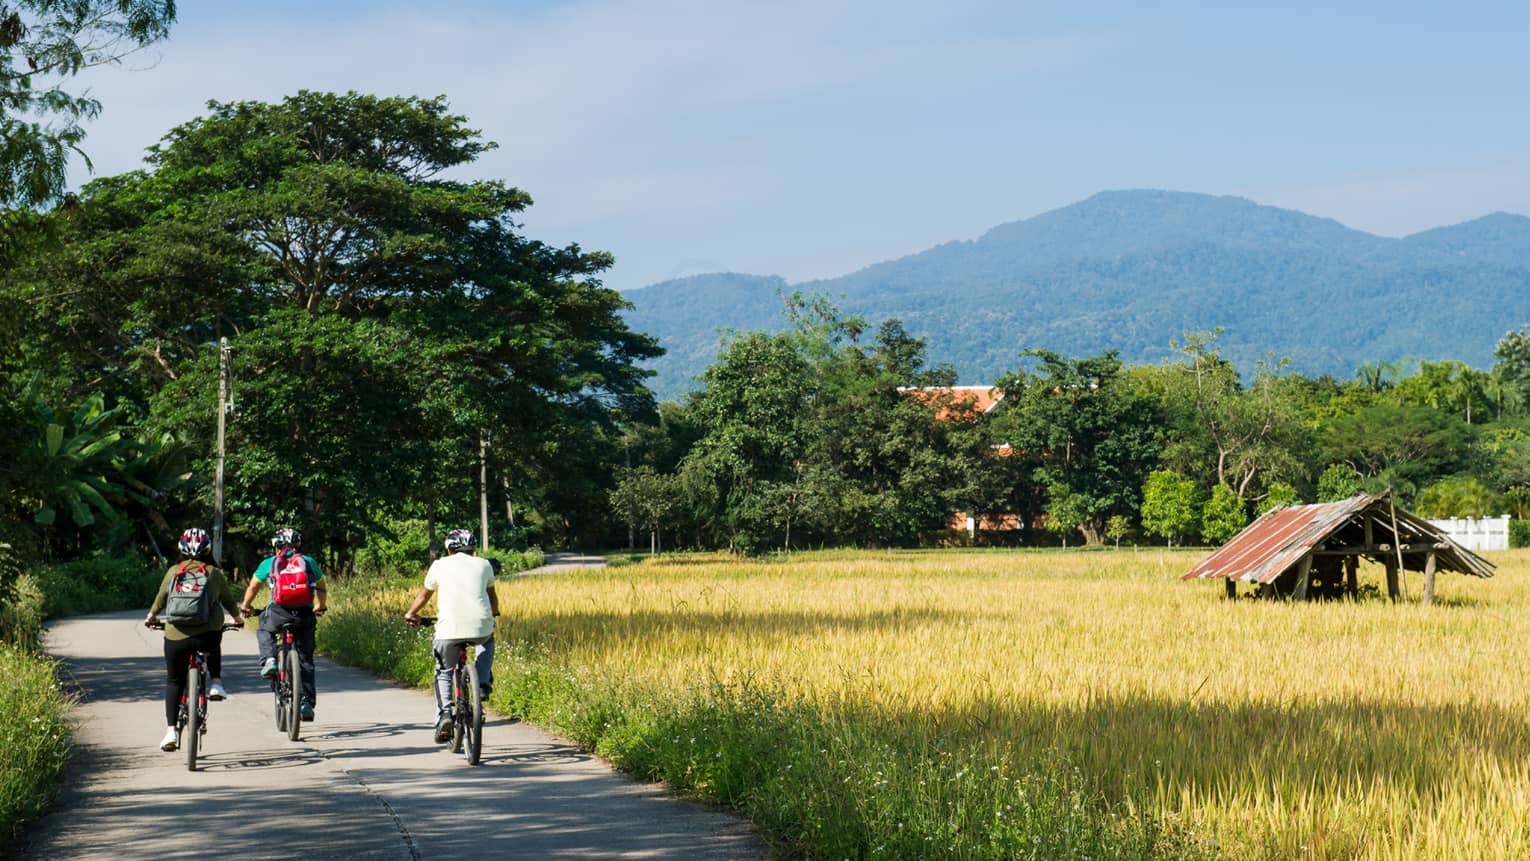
x=97 y=586
x=1519 y=533
x=513 y=561
x=404 y=551
x=21 y=616
x=34 y=734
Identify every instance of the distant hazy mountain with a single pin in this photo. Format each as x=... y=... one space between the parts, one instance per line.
x=1132 y=270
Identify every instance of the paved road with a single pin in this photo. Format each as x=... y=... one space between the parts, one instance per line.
x=365 y=782
x=559 y=563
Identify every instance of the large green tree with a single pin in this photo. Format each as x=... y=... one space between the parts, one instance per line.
x=44 y=43
x=1090 y=435
x=384 y=318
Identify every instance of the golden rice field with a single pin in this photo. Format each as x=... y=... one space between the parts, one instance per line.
x=1261 y=729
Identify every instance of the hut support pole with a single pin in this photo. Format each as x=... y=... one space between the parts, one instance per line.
x=1232 y=587
x=1429 y=562
x=1352 y=576
x=1303 y=577
x=1391 y=579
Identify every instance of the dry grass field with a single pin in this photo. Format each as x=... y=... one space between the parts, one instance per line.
x=1248 y=729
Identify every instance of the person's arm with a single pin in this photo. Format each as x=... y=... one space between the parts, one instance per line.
x=159 y=600
x=250 y=590
x=321 y=603
x=412 y=615
x=226 y=597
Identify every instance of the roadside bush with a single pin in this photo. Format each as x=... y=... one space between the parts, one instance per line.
x=403 y=552
x=21 y=616
x=1519 y=533
x=97 y=586
x=34 y=734
x=514 y=561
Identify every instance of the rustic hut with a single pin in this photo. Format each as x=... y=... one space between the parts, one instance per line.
x=1314 y=551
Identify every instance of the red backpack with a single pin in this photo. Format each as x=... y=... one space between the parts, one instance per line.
x=290 y=583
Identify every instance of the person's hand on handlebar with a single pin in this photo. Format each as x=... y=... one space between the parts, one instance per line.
x=412 y=617
x=151 y=621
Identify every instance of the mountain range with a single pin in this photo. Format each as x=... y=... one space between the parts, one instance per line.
x=1133 y=270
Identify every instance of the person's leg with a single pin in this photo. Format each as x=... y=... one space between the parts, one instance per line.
x=176 y=652
x=303 y=637
x=446 y=652
x=212 y=642
x=265 y=639
x=485 y=662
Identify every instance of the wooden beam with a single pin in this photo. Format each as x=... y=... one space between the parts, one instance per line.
x=1391 y=577
x=1232 y=587
x=1303 y=577
x=1429 y=578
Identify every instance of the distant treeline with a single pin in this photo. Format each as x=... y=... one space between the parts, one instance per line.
x=812 y=437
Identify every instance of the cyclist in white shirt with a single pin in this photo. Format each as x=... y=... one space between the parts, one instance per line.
x=465 y=606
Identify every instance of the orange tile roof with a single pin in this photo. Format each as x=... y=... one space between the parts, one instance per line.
x=982 y=399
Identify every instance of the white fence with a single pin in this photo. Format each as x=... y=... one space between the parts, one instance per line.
x=1485 y=533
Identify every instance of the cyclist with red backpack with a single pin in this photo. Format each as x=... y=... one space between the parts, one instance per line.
x=298 y=599
x=190 y=603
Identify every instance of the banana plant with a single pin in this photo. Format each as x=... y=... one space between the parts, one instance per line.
x=79 y=460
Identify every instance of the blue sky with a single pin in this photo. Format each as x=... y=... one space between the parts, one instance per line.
x=808 y=139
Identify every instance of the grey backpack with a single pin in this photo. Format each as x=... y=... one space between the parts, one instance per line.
x=188 y=602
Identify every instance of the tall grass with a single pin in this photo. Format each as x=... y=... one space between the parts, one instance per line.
x=999 y=705
x=34 y=735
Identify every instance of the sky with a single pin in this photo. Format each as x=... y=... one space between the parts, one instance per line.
x=810 y=139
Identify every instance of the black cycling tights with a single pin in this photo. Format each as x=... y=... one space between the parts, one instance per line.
x=177 y=656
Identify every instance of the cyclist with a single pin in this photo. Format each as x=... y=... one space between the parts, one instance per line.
x=301 y=611
x=465 y=612
x=181 y=639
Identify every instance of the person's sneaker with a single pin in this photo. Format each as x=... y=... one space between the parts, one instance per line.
x=484 y=691
x=216 y=692
x=443 y=729
x=268 y=669
x=306 y=711
x=171 y=740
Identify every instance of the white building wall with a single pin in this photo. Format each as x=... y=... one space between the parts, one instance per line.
x=1477 y=533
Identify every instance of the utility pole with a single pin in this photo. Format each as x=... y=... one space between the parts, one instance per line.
x=217 y=536
x=483 y=489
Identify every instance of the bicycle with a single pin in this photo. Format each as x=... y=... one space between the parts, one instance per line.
x=288 y=684
x=191 y=720
x=465 y=705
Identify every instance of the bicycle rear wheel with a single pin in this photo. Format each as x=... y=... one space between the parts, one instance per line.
x=294 y=694
x=473 y=737
x=458 y=709
x=193 y=732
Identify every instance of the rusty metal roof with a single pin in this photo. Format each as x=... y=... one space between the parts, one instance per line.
x=1281 y=537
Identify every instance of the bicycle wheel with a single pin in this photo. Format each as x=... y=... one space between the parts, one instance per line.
x=278 y=693
x=294 y=695
x=474 y=735
x=193 y=732
x=459 y=708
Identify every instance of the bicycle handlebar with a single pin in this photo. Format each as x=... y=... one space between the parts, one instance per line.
x=160 y=626
x=424 y=622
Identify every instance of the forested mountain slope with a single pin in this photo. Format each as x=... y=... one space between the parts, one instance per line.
x=1132 y=270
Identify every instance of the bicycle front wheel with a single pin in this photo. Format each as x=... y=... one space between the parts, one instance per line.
x=473 y=736
x=193 y=732
x=294 y=694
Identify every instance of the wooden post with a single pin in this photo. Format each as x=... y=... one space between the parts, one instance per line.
x=217 y=536
x=1352 y=576
x=1429 y=578
x=1303 y=577
x=1391 y=579
x=483 y=490
x=1232 y=587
